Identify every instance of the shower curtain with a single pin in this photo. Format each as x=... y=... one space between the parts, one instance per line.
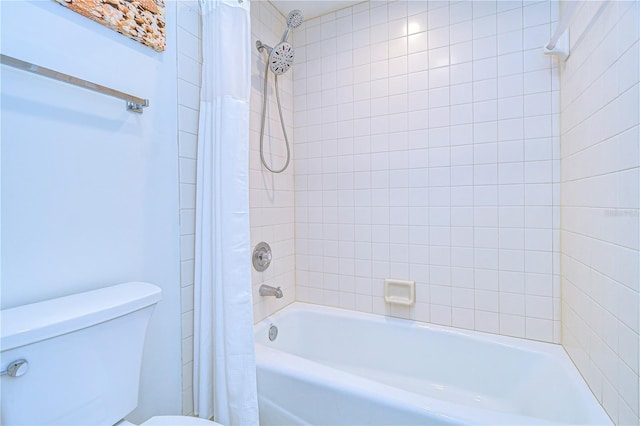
x=224 y=371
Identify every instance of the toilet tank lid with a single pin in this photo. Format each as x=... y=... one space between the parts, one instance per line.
x=31 y=323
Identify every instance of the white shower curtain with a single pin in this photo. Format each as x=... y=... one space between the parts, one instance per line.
x=224 y=368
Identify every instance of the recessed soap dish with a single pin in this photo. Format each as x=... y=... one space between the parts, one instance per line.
x=400 y=292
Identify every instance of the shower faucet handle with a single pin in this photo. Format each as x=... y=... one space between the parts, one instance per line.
x=262 y=256
x=265 y=257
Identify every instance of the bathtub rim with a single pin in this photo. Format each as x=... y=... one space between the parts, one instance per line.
x=503 y=340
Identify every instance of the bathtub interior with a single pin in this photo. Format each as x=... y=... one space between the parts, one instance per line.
x=487 y=372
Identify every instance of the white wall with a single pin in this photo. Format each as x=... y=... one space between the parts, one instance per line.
x=426 y=141
x=89 y=190
x=600 y=110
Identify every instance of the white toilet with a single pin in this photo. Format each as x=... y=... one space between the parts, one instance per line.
x=76 y=360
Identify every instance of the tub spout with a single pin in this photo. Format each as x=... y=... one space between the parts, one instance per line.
x=267 y=290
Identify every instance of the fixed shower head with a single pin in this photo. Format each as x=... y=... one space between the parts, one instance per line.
x=294 y=19
x=281 y=58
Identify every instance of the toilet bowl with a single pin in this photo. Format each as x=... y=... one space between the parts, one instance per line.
x=173 y=421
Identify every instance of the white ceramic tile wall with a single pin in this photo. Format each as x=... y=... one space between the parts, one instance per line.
x=600 y=161
x=189 y=61
x=426 y=137
x=271 y=195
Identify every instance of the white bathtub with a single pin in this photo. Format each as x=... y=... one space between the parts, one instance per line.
x=335 y=367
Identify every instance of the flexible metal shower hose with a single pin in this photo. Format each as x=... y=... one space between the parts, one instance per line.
x=264 y=112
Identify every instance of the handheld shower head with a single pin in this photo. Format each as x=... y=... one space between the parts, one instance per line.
x=294 y=19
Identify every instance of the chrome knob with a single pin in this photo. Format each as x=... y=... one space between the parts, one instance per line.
x=264 y=258
x=16 y=368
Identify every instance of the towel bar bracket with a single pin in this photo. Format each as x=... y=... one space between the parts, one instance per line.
x=137 y=107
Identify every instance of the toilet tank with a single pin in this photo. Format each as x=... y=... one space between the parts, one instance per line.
x=84 y=354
